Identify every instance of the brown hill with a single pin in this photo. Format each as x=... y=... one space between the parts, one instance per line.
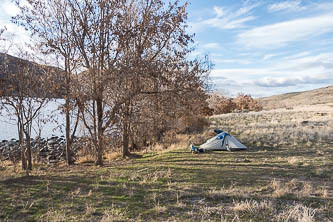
x=289 y=100
x=14 y=69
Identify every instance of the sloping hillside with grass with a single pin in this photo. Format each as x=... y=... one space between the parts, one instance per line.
x=288 y=100
x=293 y=127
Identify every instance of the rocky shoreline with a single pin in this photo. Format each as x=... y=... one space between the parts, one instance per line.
x=49 y=150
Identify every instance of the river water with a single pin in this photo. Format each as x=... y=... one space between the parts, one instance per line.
x=54 y=123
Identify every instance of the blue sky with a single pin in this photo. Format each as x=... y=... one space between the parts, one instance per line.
x=258 y=47
x=265 y=47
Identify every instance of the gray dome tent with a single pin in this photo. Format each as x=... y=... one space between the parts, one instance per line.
x=222 y=141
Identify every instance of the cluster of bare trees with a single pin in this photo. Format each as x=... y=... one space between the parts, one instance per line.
x=126 y=67
x=22 y=95
x=219 y=104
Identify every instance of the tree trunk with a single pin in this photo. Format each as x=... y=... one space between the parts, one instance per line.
x=21 y=140
x=38 y=147
x=69 y=159
x=125 y=137
x=100 y=142
x=29 y=159
x=68 y=137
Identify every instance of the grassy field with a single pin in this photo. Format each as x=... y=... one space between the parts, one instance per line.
x=309 y=126
x=277 y=184
x=273 y=181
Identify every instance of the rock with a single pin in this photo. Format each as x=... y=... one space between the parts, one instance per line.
x=48 y=149
x=52 y=142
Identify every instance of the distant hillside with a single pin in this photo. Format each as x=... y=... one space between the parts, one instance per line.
x=11 y=66
x=288 y=100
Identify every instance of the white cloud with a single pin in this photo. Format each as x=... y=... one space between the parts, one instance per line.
x=285 y=51
x=9 y=8
x=231 y=61
x=246 y=9
x=17 y=37
x=226 y=18
x=307 y=65
x=212 y=45
x=280 y=34
x=286 y=5
x=327 y=6
x=266 y=57
x=269 y=56
x=244 y=74
x=297 y=55
x=227 y=23
x=297 y=72
x=262 y=85
x=219 y=11
x=292 y=81
x=302 y=70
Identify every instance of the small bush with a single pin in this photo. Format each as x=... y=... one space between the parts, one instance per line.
x=242 y=103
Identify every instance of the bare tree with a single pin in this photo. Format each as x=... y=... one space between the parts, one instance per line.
x=23 y=94
x=48 y=22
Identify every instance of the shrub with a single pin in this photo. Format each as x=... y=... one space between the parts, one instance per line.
x=221 y=104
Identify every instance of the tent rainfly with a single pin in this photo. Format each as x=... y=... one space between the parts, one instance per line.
x=222 y=141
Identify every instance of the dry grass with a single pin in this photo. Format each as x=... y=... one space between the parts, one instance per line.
x=217 y=193
x=301 y=126
x=280 y=181
x=174 y=186
x=90 y=210
x=113 y=156
x=279 y=189
x=179 y=140
x=290 y=100
x=253 y=206
x=297 y=213
x=298 y=189
x=54 y=215
x=86 y=159
x=295 y=160
x=115 y=214
x=323 y=192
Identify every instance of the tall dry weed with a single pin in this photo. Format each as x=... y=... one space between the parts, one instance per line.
x=54 y=215
x=253 y=206
x=298 y=212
